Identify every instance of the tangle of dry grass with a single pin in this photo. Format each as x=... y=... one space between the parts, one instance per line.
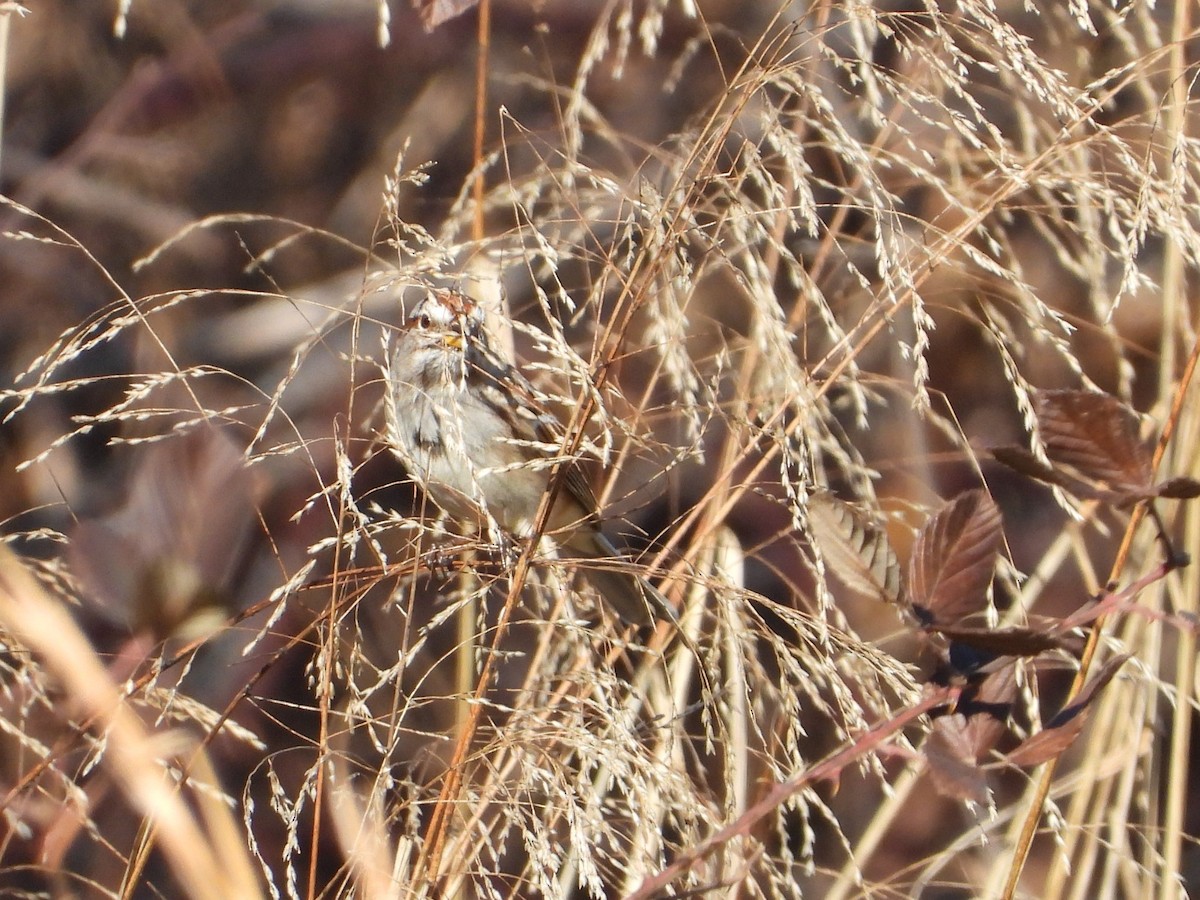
x=753 y=254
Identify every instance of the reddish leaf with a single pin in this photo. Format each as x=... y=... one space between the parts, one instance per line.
x=1094 y=450
x=1047 y=744
x=1178 y=489
x=1092 y=688
x=987 y=708
x=855 y=550
x=1010 y=641
x=434 y=12
x=951 y=761
x=953 y=560
x=169 y=554
x=959 y=740
x=1061 y=731
x=1095 y=434
x=1021 y=460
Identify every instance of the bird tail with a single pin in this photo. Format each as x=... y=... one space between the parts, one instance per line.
x=635 y=599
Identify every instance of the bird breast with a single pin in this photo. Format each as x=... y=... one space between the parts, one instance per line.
x=462 y=450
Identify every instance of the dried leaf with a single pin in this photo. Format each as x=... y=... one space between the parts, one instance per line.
x=1047 y=744
x=434 y=12
x=857 y=551
x=1021 y=460
x=1062 y=730
x=951 y=762
x=953 y=560
x=1098 y=681
x=168 y=554
x=987 y=708
x=1095 y=434
x=1178 y=489
x=1014 y=640
x=959 y=740
x=1094 y=449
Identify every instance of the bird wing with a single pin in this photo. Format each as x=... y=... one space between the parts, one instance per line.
x=531 y=420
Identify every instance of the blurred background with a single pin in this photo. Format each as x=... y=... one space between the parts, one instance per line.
x=209 y=220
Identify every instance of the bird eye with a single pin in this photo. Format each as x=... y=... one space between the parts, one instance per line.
x=423 y=322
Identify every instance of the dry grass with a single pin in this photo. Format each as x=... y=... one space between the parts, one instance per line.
x=755 y=253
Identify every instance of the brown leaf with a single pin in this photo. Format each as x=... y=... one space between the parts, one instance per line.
x=856 y=550
x=1047 y=744
x=1021 y=460
x=1062 y=730
x=434 y=12
x=958 y=741
x=1094 y=449
x=1178 y=489
x=1014 y=640
x=168 y=554
x=1095 y=434
x=953 y=560
x=1092 y=688
x=987 y=708
x=951 y=762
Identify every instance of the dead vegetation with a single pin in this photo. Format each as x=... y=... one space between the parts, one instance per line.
x=872 y=324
